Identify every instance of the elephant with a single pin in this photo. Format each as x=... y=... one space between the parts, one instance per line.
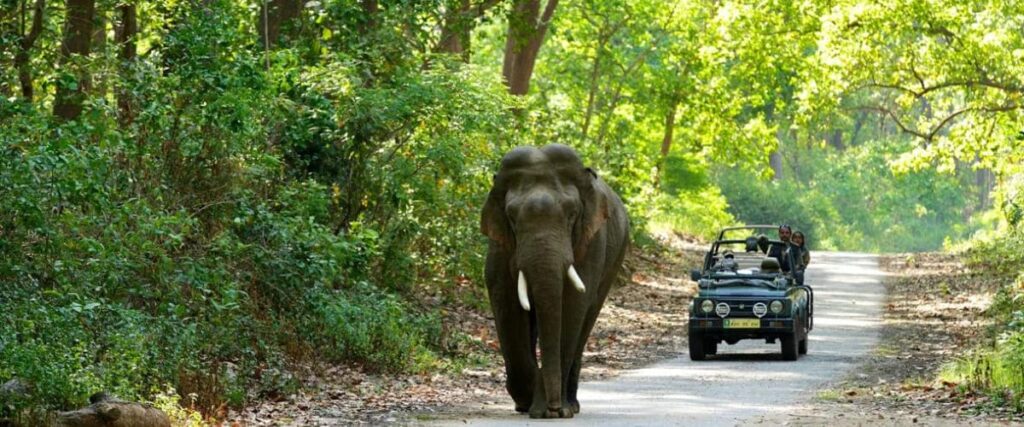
x=557 y=239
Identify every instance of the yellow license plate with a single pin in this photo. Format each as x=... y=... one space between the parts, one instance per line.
x=741 y=323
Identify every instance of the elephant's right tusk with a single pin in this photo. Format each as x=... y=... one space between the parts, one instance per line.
x=576 y=281
x=523 y=300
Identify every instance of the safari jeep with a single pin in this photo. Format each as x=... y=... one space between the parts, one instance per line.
x=745 y=294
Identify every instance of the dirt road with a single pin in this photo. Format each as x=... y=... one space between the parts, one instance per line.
x=745 y=381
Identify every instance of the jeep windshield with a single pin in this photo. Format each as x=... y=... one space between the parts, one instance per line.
x=718 y=281
x=743 y=251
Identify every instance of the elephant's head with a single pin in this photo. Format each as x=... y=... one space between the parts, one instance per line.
x=543 y=211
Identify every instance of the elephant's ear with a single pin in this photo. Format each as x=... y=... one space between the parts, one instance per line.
x=594 y=214
x=493 y=222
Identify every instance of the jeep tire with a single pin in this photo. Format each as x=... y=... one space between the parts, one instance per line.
x=696 y=347
x=790 y=350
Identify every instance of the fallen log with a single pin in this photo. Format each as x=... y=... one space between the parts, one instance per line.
x=108 y=411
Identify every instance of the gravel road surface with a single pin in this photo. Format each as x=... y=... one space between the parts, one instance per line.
x=745 y=380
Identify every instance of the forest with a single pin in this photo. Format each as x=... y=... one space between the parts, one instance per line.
x=197 y=197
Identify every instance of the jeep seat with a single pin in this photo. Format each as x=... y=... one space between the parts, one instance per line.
x=770 y=265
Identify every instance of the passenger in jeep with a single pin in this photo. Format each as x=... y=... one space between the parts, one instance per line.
x=778 y=251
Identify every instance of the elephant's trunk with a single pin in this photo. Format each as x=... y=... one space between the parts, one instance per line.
x=548 y=301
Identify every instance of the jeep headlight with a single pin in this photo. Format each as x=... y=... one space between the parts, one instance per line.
x=760 y=309
x=722 y=309
x=707 y=306
x=776 y=306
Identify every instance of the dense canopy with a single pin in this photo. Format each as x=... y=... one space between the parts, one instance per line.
x=196 y=195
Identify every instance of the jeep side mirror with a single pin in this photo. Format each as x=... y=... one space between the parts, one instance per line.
x=695 y=275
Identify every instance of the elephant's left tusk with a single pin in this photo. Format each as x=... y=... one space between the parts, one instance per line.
x=576 y=281
x=521 y=289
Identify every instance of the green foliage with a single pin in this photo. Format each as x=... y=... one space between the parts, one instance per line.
x=996 y=367
x=243 y=221
x=853 y=201
x=690 y=203
x=375 y=328
x=913 y=63
x=224 y=210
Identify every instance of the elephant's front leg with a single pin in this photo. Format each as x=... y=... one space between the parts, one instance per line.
x=573 y=384
x=516 y=330
x=517 y=348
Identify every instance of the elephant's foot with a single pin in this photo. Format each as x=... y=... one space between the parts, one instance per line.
x=522 y=409
x=575 y=406
x=563 y=412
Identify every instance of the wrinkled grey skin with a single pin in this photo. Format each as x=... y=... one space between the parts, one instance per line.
x=545 y=212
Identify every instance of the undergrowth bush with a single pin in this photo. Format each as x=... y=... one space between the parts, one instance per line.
x=996 y=367
x=211 y=247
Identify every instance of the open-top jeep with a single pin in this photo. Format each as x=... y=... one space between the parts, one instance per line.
x=747 y=293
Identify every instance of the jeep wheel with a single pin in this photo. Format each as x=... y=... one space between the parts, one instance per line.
x=696 y=347
x=803 y=346
x=710 y=346
x=789 y=347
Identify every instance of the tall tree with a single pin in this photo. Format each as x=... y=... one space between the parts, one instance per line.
x=78 y=35
x=457 y=23
x=125 y=36
x=278 y=20
x=99 y=45
x=527 y=25
x=22 y=57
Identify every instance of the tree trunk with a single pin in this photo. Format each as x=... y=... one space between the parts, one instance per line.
x=836 y=140
x=125 y=38
x=858 y=124
x=985 y=181
x=666 y=142
x=280 y=21
x=370 y=8
x=456 y=29
x=108 y=411
x=458 y=23
x=595 y=73
x=774 y=158
x=99 y=46
x=526 y=29
x=21 y=57
x=775 y=161
x=77 y=40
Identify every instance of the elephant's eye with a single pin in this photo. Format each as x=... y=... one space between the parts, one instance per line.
x=510 y=214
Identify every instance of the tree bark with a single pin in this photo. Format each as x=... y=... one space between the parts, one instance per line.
x=457 y=26
x=836 y=140
x=775 y=161
x=985 y=181
x=280 y=21
x=370 y=8
x=77 y=40
x=595 y=73
x=858 y=124
x=99 y=46
x=666 y=141
x=774 y=158
x=455 y=30
x=125 y=39
x=21 y=57
x=108 y=411
x=527 y=26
